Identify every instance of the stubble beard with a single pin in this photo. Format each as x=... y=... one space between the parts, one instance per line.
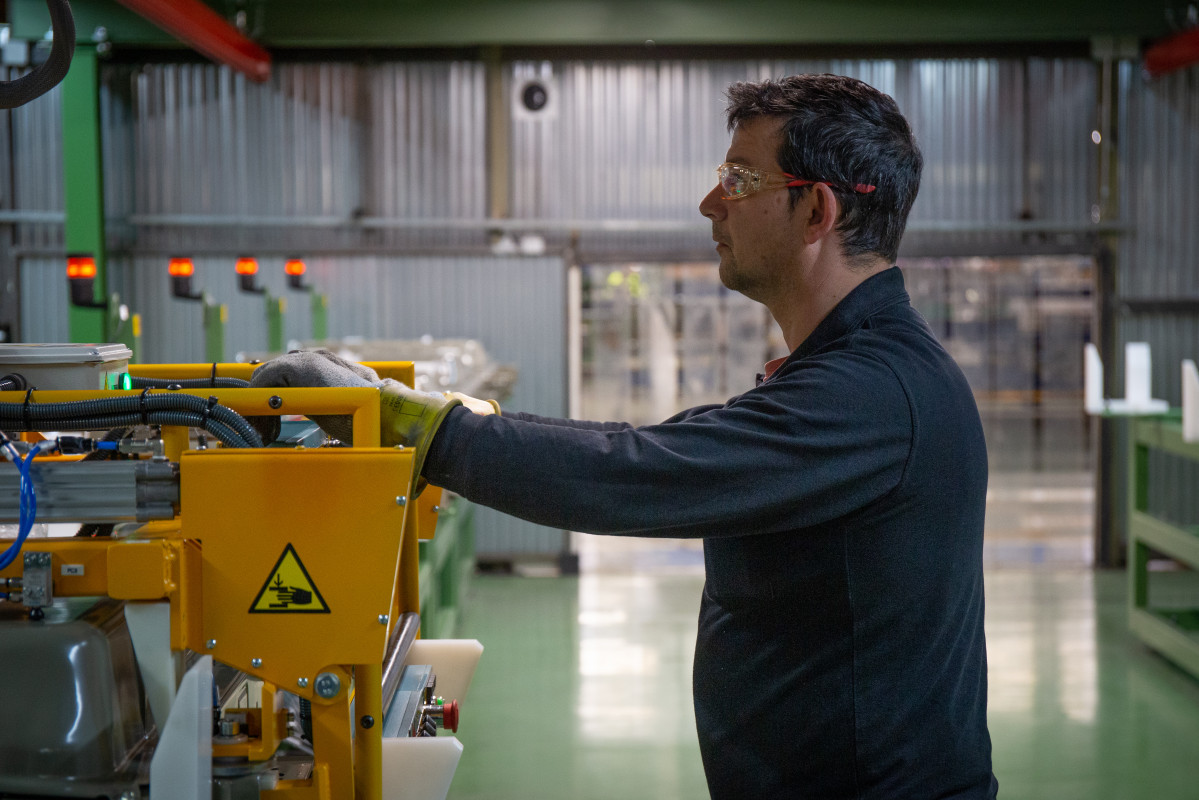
x=734 y=278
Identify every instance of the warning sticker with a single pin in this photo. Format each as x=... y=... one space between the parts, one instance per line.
x=289 y=589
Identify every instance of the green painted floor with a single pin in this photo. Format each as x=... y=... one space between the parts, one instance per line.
x=583 y=690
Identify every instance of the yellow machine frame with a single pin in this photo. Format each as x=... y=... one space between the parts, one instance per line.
x=347 y=514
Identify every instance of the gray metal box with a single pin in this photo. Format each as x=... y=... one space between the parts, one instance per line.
x=67 y=366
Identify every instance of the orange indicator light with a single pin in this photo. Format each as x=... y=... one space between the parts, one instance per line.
x=181 y=267
x=294 y=266
x=81 y=267
x=246 y=266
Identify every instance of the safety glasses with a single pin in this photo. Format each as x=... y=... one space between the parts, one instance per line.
x=738 y=181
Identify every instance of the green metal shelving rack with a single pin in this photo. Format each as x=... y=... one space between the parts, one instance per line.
x=1173 y=632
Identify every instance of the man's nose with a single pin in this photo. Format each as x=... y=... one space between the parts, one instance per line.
x=712 y=206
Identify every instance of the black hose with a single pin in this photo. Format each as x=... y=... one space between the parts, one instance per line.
x=190 y=419
x=188 y=383
x=45 y=77
x=130 y=410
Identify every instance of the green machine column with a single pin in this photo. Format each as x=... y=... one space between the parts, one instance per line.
x=83 y=184
x=276 y=307
x=216 y=315
x=320 y=316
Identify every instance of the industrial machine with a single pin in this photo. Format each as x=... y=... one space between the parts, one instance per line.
x=222 y=619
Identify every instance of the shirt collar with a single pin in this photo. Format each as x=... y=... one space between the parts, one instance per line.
x=876 y=292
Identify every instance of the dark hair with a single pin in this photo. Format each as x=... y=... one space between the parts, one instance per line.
x=843 y=132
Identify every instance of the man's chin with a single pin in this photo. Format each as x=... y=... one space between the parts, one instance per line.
x=728 y=274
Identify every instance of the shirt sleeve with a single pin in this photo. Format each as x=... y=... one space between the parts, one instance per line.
x=581 y=424
x=825 y=438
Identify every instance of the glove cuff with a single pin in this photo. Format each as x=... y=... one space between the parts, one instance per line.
x=426 y=441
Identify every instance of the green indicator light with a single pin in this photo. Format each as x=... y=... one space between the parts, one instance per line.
x=118 y=380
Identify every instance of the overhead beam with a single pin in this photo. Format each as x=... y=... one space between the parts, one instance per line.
x=1172 y=53
x=207 y=32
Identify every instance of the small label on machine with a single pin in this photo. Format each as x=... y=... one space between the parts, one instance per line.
x=289 y=589
x=72 y=569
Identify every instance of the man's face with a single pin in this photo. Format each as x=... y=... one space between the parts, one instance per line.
x=754 y=234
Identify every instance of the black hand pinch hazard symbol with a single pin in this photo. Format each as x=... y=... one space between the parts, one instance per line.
x=288 y=595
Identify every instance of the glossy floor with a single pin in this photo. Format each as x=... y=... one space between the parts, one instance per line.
x=584 y=691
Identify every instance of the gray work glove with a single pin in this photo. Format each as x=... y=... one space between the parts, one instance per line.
x=406 y=417
x=319 y=368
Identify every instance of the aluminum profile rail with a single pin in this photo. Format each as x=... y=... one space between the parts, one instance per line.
x=99 y=491
x=402 y=637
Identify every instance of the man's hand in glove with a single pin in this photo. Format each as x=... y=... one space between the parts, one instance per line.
x=318 y=368
x=406 y=417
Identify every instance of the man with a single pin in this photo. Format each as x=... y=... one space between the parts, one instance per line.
x=840 y=651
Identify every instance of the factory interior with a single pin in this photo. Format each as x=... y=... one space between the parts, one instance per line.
x=501 y=199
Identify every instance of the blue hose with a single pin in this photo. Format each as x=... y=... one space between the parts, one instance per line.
x=28 y=506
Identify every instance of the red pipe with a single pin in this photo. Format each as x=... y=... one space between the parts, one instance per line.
x=1173 y=53
x=207 y=32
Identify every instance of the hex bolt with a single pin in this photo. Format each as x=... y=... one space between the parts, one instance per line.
x=327 y=685
x=383 y=619
x=303 y=683
x=211 y=644
x=401 y=501
x=275 y=401
x=255 y=662
x=230 y=727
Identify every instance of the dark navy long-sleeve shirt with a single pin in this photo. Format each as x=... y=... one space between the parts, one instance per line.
x=840 y=651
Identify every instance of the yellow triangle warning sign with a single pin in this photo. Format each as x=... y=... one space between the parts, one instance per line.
x=289 y=589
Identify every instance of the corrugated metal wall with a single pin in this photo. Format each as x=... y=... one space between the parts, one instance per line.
x=328 y=157
x=44 y=300
x=1160 y=150
x=1160 y=261
x=35 y=138
x=1005 y=141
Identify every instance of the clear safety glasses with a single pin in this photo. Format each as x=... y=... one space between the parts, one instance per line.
x=738 y=181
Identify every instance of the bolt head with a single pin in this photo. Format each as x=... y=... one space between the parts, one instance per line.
x=436 y=509
x=302 y=683
x=255 y=662
x=327 y=685
x=211 y=644
x=368 y=721
x=401 y=501
x=383 y=619
x=275 y=401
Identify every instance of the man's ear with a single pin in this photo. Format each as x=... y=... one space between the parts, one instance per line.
x=822 y=209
